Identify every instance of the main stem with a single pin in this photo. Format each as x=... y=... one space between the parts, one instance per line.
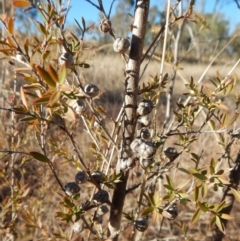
x=131 y=93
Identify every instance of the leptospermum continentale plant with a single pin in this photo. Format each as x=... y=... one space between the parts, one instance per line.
x=115 y=184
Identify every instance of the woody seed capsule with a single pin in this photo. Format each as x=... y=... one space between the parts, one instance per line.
x=71 y=188
x=141 y=224
x=143 y=121
x=145 y=163
x=91 y=90
x=144 y=133
x=171 y=153
x=146 y=150
x=97 y=177
x=100 y=197
x=66 y=58
x=81 y=177
x=78 y=227
x=121 y=45
x=105 y=25
x=145 y=107
x=171 y=212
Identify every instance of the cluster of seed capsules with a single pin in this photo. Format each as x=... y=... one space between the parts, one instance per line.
x=99 y=198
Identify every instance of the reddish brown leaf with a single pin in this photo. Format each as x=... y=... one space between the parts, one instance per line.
x=42 y=100
x=21 y=3
x=23 y=97
x=54 y=98
x=11 y=26
x=53 y=73
x=46 y=76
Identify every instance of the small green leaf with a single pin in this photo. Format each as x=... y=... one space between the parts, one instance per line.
x=127 y=216
x=222 y=106
x=30 y=79
x=147 y=211
x=46 y=76
x=213 y=221
x=183 y=184
x=196 y=193
x=42 y=28
x=203 y=206
x=23 y=97
x=236 y=194
x=53 y=73
x=54 y=98
x=84 y=65
x=20 y=109
x=62 y=74
x=42 y=100
x=200 y=176
x=184 y=170
x=212 y=123
x=204 y=190
x=40 y=157
x=226 y=216
x=184 y=201
x=196 y=216
x=223 y=180
x=220 y=224
x=168 y=187
x=232 y=120
x=26 y=44
x=170 y=183
x=220 y=172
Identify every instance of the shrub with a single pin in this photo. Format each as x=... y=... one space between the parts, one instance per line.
x=72 y=171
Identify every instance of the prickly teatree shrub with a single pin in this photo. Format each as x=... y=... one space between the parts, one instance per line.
x=71 y=171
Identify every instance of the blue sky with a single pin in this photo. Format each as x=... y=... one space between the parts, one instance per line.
x=81 y=8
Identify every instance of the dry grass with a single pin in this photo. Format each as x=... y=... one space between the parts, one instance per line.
x=44 y=196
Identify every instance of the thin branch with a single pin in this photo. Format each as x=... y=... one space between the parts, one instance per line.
x=111 y=8
x=95 y=5
x=161 y=67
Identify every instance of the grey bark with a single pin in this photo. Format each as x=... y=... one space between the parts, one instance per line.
x=131 y=92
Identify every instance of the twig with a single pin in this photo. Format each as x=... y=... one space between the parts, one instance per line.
x=161 y=66
x=175 y=63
